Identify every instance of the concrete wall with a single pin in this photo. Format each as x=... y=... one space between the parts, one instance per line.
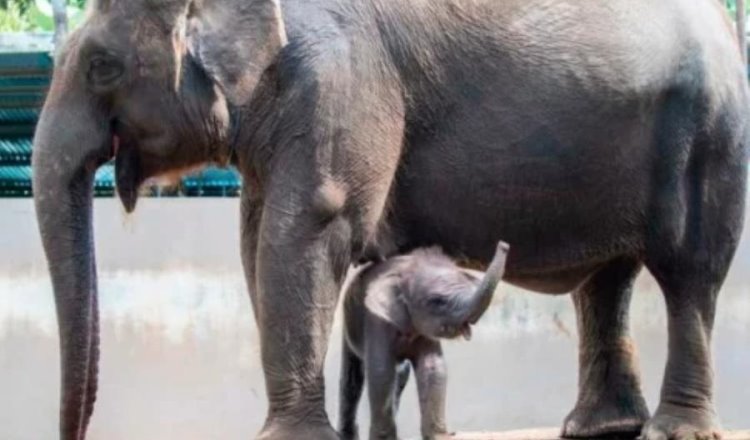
x=160 y=234
x=169 y=233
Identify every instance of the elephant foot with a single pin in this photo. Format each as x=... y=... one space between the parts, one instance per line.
x=297 y=431
x=610 y=420
x=675 y=423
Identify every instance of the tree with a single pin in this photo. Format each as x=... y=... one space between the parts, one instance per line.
x=60 y=15
x=39 y=15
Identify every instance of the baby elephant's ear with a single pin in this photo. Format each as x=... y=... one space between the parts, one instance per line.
x=384 y=300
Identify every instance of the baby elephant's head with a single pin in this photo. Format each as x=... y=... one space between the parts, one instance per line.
x=433 y=297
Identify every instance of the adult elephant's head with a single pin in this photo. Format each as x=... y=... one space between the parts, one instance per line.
x=148 y=82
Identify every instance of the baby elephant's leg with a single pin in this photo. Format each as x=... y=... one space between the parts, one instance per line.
x=350 y=391
x=431 y=385
x=402 y=378
x=381 y=366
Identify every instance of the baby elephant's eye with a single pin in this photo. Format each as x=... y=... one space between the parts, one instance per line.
x=437 y=302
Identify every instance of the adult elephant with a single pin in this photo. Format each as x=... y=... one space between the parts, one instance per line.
x=596 y=137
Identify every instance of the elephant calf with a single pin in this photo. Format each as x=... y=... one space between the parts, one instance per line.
x=395 y=312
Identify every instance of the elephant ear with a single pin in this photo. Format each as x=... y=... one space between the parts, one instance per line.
x=235 y=41
x=385 y=300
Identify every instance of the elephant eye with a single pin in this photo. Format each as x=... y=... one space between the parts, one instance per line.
x=104 y=71
x=437 y=302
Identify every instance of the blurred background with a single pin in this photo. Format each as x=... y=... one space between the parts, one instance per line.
x=180 y=354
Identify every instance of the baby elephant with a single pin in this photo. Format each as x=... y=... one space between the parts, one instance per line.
x=395 y=312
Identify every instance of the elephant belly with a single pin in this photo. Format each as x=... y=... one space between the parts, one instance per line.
x=565 y=202
x=554 y=246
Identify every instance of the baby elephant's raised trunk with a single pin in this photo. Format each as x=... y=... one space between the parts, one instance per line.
x=483 y=295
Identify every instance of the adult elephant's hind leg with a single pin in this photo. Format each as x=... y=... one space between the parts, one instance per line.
x=690 y=270
x=609 y=394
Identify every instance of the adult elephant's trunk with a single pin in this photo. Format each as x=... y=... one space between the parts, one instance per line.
x=482 y=296
x=71 y=141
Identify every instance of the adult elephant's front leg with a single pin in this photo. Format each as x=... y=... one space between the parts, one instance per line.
x=300 y=264
x=331 y=152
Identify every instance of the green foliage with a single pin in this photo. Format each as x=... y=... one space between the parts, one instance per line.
x=12 y=19
x=21 y=5
x=35 y=15
x=732 y=6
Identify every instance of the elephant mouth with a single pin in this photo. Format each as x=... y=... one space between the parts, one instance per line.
x=128 y=173
x=454 y=332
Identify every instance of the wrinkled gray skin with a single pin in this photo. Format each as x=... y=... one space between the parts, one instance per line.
x=395 y=312
x=597 y=137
